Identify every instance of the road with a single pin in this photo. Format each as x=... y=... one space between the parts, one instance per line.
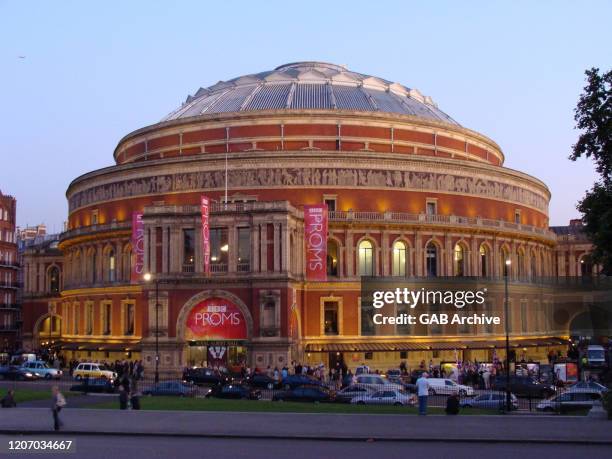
x=119 y=447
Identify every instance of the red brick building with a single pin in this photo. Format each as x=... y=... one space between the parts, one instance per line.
x=410 y=192
x=9 y=310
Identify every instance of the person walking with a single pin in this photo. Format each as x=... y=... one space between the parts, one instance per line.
x=123 y=397
x=58 y=402
x=422 y=386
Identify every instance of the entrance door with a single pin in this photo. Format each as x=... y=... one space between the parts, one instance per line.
x=336 y=361
x=217 y=356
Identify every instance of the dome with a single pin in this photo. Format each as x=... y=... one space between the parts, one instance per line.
x=309 y=85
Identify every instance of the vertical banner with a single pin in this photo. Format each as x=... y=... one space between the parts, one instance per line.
x=315 y=227
x=205 y=207
x=137 y=248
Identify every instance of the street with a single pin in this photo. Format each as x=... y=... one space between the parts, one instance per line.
x=118 y=447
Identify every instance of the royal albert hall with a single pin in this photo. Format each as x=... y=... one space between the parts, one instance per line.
x=409 y=192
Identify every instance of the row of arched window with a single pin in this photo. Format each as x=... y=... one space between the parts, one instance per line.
x=400 y=261
x=93 y=265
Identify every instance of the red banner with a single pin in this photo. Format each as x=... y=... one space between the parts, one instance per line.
x=215 y=319
x=315 y=223
x=137 y=248
x=205 y=208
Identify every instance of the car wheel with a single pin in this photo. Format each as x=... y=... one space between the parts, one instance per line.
x=287 y=387
x=462 y=393
x=47 y=376
x=78 y=377
x=432 y=392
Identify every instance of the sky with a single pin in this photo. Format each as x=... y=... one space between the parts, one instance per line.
x=75 y=77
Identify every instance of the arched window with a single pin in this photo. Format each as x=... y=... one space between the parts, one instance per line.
x=431 y=259
x=366 y=261
x=54 y=279
x=112 y=266
x=503 y=257
x=459 y=260
x=400 y=259
x=126 y=263
x=484 y=260
x=332 y=258
x=533 y=268
x=520 y=258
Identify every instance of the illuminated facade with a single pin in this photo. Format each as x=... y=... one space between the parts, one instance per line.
x=410 y=192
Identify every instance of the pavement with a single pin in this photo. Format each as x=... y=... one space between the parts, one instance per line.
x=311 y=426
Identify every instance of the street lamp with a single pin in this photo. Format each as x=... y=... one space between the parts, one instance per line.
x=148 y=277
x=508 y=396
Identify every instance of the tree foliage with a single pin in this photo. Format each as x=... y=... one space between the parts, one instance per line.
x=593 y=116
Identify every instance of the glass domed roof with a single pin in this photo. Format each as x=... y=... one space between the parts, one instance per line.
x=309 y=85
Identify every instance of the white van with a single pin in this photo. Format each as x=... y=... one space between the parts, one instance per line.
x=448 y=387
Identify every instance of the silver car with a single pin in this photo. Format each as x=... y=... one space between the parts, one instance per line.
x=491 y=400
x=42 y=369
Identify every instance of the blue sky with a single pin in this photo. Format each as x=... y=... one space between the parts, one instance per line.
x=94 y=71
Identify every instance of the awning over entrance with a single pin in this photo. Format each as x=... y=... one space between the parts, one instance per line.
x=99 y=347
x=429 y=346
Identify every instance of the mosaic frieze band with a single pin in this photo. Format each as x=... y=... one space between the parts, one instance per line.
x=305 y=177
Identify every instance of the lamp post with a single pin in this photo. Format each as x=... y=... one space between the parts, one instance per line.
x=508 y=397
x=147 y=278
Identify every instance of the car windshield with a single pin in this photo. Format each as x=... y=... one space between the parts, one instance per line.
x=596 y=354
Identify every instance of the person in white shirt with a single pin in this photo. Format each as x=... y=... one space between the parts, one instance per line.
x=422 y=386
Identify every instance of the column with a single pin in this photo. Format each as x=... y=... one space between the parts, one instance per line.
x=165 y=260
x=232 y=241
x=350 y=264
x=385 y=251
x=255 y=248
x=263 y=246
x=418 y=254
x=276 y=247
x=286 y=254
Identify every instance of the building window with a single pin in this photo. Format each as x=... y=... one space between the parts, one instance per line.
x=268 y=319
x=112 y=266
x=586 y=266
x=332 y=258
x=400 y=259
x=331 y=203
x=94 y=217
x=129 y=319
x=54 y=280
x=503 y=257
x=520 y=257
x=330 y=318
x=106 y=318
x=484 y=260
x=89 y=312
x=431 y=207
x=517 y=216
x=459 y=260
x=219 y=247
x=188 y=247
x=94 y=263
x=75 y=316
x=431 y=260
x=366 y=262
x=244 y=249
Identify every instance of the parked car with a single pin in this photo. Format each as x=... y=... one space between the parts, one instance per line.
x=42 y=369
x=95 y=386
x=386 y=397
x=92 y=371
x=596 y=356
x=362 y=370
x=293 y=381
x=235 y=391
x=206 y=376
x=570 y=401
x=490 y=400
x=448 y=387
x=17 y=373
x=305 y=394
x=356 y=391
x=587 y=385
x=263 y=381
x=377 y=382
x=176 y=388
x=524 y=386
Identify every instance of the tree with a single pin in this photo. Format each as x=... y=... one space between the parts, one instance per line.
x=593 y=116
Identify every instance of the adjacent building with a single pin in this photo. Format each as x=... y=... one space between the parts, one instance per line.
x=9 y=266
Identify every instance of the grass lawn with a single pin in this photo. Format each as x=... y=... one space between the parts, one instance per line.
x=26 y=395
x=198 y=404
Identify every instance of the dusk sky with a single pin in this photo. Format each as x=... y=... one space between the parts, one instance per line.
x=78 y=76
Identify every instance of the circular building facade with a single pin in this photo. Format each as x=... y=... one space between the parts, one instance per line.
x=410 y=193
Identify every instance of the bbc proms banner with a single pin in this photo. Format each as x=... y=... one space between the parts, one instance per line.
x=315 y=222
x=205 y=208
x=137 y=248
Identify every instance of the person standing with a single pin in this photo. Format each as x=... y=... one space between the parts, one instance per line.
x=58 y=402
x=123 y=397
x=8 y=401
x=422 y=386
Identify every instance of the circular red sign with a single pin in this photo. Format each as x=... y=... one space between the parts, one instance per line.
x=216 y=319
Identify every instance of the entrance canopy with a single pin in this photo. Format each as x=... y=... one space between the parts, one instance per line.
x=429 y=346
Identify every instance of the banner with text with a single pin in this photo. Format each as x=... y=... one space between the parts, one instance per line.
x=205 y=208
x=315 y=222
x=137 y=248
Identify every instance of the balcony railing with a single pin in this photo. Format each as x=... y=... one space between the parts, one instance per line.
x=10 y=306
x=243 y=267
x=218 y=267
x=188 y=268
x=10 y=284
x=401 y=217
x=9 y=264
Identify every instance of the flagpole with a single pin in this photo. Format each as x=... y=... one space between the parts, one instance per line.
x=225 y=180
